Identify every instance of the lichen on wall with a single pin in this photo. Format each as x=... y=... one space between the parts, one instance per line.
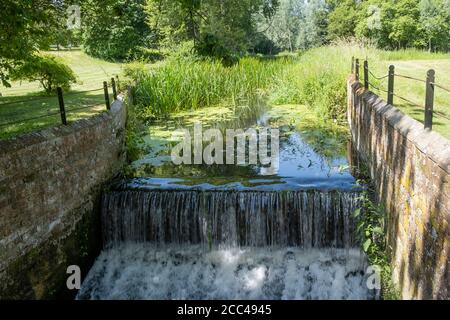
x=410 y=168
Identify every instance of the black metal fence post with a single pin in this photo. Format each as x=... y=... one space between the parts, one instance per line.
x=390 y=93
x=429 y=100
x=62 y=109
x=105 y=88
x=366 y=74
x=118 y=83
x=357 y=69
x=113 y=83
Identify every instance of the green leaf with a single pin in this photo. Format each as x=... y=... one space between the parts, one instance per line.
x=367 y=244
x=377 y=230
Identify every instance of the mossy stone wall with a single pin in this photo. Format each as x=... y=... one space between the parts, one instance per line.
x=410 y=168
x=50 y=189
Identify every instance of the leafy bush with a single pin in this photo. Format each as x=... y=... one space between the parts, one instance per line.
x=135 y=70
x=183 y=51
x=147 y=54
x=212 y=46
x=50 y=71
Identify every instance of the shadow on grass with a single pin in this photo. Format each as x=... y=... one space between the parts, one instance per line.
x=440 y=119
x=43 y=112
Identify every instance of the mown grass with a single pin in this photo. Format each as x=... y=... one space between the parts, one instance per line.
x=318 y=80
x=90 y=72
x=44 y=112
x=414 y=91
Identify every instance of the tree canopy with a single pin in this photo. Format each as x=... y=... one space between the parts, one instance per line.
x=114 y=29
x=25 y=27
x=226 y=29
x=218 y=28
x=391 y=24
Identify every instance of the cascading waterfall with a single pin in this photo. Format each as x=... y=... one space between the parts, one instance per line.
x=233 y=232
x=307 y=219
x=146 y=271
x=225 y=244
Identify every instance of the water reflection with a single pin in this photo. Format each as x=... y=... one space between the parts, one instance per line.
x=301 y=163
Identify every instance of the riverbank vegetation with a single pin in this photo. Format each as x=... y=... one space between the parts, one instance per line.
x=372 y=233
x=315 y=78
x=203 y=53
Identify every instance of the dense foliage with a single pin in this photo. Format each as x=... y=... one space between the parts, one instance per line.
x=230 y=27
x=114 y=29
x=48 y=70
x=226 y=29
x=25 y=27
x=391 y=24
x=220 y=29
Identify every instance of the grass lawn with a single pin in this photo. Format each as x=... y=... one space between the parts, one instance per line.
x=90 y=72
x=414 y=91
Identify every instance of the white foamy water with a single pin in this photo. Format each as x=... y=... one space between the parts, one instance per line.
x=143 y=271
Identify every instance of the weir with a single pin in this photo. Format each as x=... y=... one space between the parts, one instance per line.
x=232 y=232
x=306 y=219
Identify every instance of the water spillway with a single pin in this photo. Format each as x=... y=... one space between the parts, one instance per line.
x=228 y=244
x=307 y=219
x=232 y=232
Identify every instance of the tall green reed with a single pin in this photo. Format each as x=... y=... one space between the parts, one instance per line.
x=185 y=85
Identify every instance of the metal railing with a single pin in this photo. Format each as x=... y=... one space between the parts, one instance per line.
x=429 y=82
x=61 y=102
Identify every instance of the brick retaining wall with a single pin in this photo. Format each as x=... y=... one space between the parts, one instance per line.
x=410 y=170
x=50 y=182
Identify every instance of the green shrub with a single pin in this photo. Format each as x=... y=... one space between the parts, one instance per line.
x=148 y=54
x=183 y=51
x=135 y=70
x=50 y=71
